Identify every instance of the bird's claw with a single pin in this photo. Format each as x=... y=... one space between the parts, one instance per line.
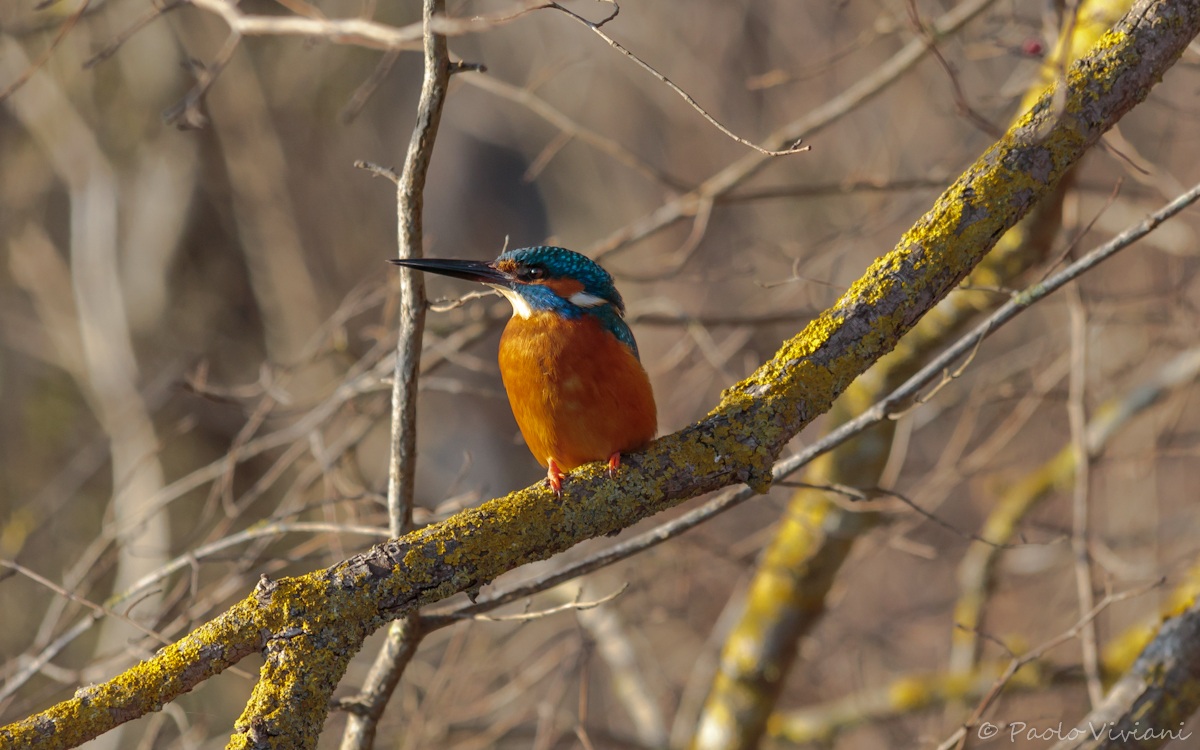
x=554 y=476
x=614 y=463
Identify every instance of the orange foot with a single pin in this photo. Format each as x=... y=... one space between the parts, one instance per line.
x=554 y=476
x=614 y=463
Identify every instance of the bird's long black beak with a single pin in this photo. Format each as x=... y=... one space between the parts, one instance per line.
x=471 y=270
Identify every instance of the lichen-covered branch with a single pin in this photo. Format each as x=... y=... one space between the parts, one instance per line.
x=147 y=686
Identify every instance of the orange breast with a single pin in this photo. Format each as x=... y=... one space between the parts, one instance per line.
x=578 y=394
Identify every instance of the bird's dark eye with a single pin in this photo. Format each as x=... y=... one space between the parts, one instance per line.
x=531 y=273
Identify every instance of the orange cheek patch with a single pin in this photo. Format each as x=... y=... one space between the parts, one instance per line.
x=564 y=287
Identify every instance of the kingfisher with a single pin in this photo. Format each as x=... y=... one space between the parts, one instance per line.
x=568 y=360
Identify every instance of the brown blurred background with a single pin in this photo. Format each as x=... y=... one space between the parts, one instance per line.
x=169 y=296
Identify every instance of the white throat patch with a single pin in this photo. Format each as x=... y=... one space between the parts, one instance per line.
x=521 y=308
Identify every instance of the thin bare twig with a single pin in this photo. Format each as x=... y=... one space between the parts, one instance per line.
x=152 y=14
x=360 y=31
x=405 y=634
x=960 y=96
x=364 y=91
x=36 y=65
x=795 y=146
x=186 y=113
x=813 y=121
x=574 y=130
x=959 y=738
x=1077 y=418
x=350 y=31
x=97 y=609
x=574 y=605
